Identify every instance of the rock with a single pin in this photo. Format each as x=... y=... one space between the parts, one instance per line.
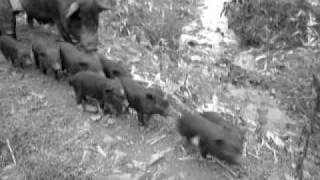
x=245 y=60
x=96 y=117
x=195 y=58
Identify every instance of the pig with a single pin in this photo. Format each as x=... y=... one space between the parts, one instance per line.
x=47 y=56
x=108 y=92
x=76 y=20
x=7 y=19
x=73 y=60
x=113 y=69
x=213 y=138
x=15 y=51
x=228 y=126
x=146 y=101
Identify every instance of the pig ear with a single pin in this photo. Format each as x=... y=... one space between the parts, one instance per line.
x=316 y=82
x=115 y=72
x=108 y=91
x=219 y=142
x=74 y=7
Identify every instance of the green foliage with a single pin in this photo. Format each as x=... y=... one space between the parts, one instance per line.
x=273 y=23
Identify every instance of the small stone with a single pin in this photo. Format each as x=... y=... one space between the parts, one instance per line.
x=195 y=58
x=91 y=109
x=96 y=117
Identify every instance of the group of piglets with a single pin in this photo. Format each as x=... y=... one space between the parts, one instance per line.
x=92 y=76
x=110 y=84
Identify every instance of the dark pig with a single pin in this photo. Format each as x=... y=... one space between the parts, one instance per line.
x=114 y=69
x=76 y=20
x=7 y=19
x=15 y=51
x=73 y=60
x=146 y=101
x=47 y=57
x=213 y=138
x=228 y=126
x=108 y=92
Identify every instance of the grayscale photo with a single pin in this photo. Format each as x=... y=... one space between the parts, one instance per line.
x=159 y=89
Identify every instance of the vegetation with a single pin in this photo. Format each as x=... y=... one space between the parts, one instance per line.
x=272 y=23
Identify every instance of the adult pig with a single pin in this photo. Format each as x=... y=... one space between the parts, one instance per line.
x=76 y=20
x=7 y=19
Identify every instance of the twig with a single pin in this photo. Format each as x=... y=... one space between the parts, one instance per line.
x=226 y=167
x=11 y=152
x=254 y=156
x=156 y=139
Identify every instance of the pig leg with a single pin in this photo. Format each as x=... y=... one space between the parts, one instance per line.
x=56 y=74
x=78 y=97
x=13 y=23
x=63 y=32
x=203 y=149
x=141 y=119
x=42 y=68
x=20 y=63
x=98 y=105
x=36 y=59
x=30 y=21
